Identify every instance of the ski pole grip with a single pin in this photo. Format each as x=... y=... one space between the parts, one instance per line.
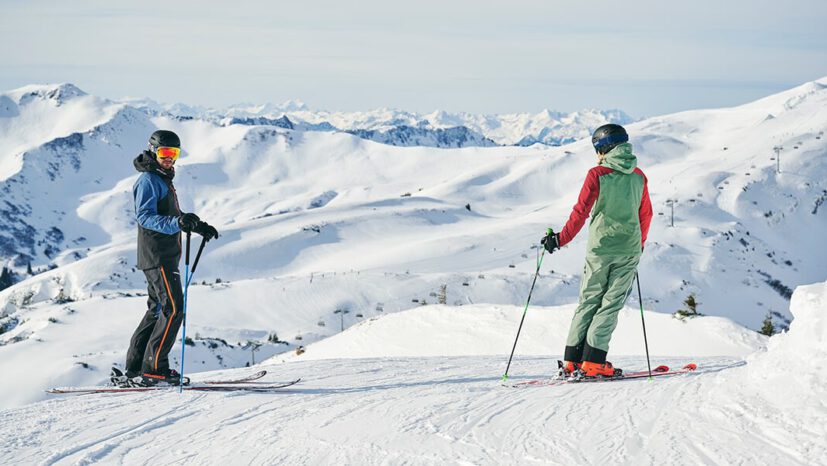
x=188 y=247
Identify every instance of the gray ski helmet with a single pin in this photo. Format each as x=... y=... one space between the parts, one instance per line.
x=607 y=137
x=163 y=138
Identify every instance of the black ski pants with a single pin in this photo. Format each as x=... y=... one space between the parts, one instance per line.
x=156 y=333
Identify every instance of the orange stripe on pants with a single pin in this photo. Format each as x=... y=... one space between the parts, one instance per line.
x=169 y=319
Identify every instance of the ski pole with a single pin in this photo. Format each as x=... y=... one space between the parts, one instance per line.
x=642 y=321
x=536 y=274
x=197 y=258
x=187 y=279
x=184 y=314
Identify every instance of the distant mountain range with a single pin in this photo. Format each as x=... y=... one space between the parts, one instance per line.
x=402 y=128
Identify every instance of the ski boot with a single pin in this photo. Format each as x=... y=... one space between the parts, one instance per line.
x=167 y=378
x=605 y=370
x=120 y=379
x=566 y=369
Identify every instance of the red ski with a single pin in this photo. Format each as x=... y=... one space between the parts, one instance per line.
x=659 y=371
x=246 y=379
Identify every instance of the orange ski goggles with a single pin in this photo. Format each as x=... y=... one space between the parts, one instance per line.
x=168 y=152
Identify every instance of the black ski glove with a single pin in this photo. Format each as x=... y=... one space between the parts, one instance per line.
x=188 y=222
x=206 y=230
x=551 y=242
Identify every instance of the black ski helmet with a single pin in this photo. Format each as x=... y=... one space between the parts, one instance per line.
x=163 y=138
x=607 y=137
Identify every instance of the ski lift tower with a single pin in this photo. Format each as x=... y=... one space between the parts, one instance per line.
x=671 y=203
x=777 y=150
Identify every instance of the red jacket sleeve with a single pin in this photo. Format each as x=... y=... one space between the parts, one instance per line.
x=645 y=212
x=581 y=210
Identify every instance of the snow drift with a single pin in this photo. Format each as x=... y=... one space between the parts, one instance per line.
x=791 y=371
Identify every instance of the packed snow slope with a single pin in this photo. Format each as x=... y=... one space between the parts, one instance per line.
x=768 y=409
x=485 y=330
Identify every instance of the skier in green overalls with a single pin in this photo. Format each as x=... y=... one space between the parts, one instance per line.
x=616 y=194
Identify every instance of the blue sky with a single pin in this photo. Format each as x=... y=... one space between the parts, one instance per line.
x=644 y=57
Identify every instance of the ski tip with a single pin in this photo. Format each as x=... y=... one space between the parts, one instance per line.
x=690 y=367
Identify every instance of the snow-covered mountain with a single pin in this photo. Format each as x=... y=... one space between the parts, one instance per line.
x=403 y=128
x=322 y=230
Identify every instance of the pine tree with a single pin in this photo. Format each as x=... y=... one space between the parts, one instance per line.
x=29 y=271
x=691 y=308
x=6 y=278
x=767 y=327
x=691 y=304
x=443 y=294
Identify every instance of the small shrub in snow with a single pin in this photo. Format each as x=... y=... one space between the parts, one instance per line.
x=691 y=309
x=274 y=338
x=767 y=327
x=8 y=323
x=63 y=298
x=23 y=299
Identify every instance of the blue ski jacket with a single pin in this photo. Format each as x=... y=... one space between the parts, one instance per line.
x=157 y=211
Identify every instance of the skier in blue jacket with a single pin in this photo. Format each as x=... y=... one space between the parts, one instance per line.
x=160 y=223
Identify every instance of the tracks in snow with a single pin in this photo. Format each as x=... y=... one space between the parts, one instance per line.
x=416 y=411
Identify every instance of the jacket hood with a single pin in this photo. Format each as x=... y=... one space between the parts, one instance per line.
x=145 y=162
x=621 y=159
